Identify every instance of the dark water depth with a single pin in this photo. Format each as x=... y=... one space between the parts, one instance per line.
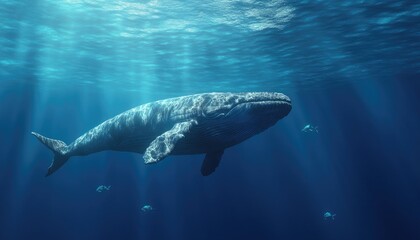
x=351 y=68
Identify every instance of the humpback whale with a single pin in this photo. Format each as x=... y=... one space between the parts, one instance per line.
x=204 y=123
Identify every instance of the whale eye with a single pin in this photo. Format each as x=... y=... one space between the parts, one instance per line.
x=218 y=106
x=214 y=114
x=214 y=110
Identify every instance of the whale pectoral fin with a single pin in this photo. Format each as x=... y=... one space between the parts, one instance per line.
x=163 y=145
x=211 y=161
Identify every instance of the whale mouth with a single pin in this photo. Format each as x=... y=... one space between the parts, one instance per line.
x=264 y=103
x=267 y=99
x=253 y=103
x=262 y=107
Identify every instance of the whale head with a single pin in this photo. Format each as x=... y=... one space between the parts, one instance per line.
x=250 y=105
x=242 y=115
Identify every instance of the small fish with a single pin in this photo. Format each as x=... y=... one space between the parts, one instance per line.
x=328 y=215
x=310 y=128
x=147 y=208
x=103 y=188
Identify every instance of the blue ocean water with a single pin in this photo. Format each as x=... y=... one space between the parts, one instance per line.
x=351 y=68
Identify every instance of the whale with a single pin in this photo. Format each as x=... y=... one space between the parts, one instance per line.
x=206 y=123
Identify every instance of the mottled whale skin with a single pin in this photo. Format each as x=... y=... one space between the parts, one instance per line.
x=202 y=123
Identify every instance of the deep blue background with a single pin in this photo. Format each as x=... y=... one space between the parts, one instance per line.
x=350 y=68
x=363 y=166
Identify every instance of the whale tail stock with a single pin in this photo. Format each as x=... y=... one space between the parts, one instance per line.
x=60 y=150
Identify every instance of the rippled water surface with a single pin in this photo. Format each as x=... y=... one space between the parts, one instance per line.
x=200 y=46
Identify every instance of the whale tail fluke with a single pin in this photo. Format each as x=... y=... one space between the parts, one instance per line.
x=60 y=150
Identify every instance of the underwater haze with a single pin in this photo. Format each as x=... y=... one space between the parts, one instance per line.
x=343 y=164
